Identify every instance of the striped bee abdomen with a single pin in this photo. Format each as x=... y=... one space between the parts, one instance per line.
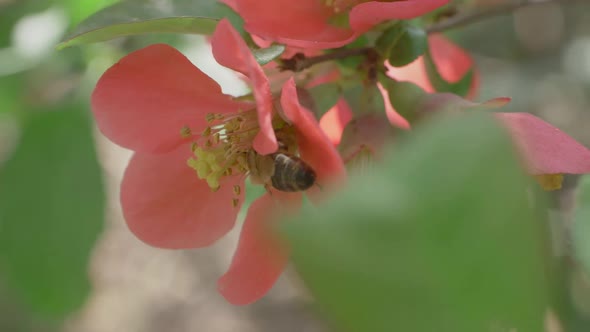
x=291 y=173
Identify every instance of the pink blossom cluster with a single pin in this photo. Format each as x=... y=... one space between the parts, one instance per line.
x=194 y=146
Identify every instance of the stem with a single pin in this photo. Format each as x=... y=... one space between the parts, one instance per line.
x=300 y=62
x=485 y=13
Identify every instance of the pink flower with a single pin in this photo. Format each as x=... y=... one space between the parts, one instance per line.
x=312 y=23
x=183 y=187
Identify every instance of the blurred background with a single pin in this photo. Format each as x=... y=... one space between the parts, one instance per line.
x=67 y=260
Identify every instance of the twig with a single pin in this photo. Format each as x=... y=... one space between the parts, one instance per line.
x=484 y=13
x=300 y=62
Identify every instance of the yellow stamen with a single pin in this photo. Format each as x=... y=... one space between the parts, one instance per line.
x=213 y=181
x=185 y=132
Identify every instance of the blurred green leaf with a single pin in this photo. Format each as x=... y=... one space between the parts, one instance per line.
x=16 y=317
x=80 y=9
x=441 y=237
x=460 y=87
x=134 y=17
x=402 y=43
x=11 y=93
x=325 y=96
x=51 y=210
x=266 y=55
x=581 y=224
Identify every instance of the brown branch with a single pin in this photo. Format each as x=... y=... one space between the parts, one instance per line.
x=300 y=62
x=485 y=13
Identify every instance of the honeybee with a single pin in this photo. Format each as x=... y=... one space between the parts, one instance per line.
x=282 y=169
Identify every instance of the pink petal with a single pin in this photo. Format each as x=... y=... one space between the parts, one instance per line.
x=315 y=147
x=302 y=23
x=546 y=149
x=144 y=100
x=166 y=205
x=335 y=119
x=366 y=15
x=261 y=256
x=231 y=4
x=230 y=50
x=452 y=62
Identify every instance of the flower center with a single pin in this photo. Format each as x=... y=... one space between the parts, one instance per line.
x=225 y=147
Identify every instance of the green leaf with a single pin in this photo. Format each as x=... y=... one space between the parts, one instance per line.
x=441 y=237
x=402 y=43
x=51 y=211
x=266 y=55
x=325 y=96
x=363 y=98
x=134 y=17
x=581 y=224
x=405 y=97
x=460 y=87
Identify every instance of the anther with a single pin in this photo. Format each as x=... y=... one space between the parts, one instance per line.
x=206 y=132
x=185 y=132
x=237 y=190
x=235 y=202
x=210 y=117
